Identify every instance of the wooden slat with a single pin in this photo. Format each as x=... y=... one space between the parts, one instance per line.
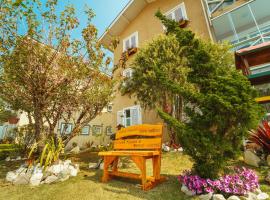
x=130 y=175
x=129 y=153
x=153 y=143
x=140 y=130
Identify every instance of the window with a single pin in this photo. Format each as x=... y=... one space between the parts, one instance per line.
x=97 y=130
x=66 y=128
x=109 y=108
x=178 y=13
x=109 y=130
x=131 y=42
x=86 y=130
x=127 y=73
x=129 y=116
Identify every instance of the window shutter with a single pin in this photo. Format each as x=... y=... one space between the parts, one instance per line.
x=120 y=118
x=136 y=117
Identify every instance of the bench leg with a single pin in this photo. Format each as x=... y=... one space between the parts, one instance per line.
x=156 y=167
x=115 y=165
x=108 y=160
x=141 y=164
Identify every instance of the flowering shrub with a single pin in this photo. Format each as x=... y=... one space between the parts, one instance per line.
x=240 y=183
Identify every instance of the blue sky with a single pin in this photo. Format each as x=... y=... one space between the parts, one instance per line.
x=105 y=10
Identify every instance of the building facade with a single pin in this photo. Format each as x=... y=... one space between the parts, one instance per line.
x=245 y=24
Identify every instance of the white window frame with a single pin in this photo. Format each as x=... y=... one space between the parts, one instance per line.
x=124 y=118
x=68 y=130
x=136 y=34
x=109 y=130
x=88 y=131
x=95 y=129
x=183 y=8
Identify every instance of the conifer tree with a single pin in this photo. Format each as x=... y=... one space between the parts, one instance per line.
x=218 y=101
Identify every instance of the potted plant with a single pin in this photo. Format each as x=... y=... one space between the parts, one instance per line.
x=183 y=23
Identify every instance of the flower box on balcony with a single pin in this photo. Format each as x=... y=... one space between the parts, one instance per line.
x=183 y=23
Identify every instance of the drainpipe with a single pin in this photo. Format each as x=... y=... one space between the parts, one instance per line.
x=207 y=20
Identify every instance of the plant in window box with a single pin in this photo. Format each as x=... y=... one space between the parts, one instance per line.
x=183 y=23
x=128 y=52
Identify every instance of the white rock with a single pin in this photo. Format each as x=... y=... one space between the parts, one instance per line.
x=218 y=197
x=206 y=196
x=92 y=165
x=262 y=196
x=51 y=179
x=233 y=198
x=22 y=179
x=19 y=158
x=67 y=162
x=251 y=158
x=72 y=171
x=21 y=170
x=258 y=191
x=75 y=150
x=77 y=166
x=251 y=196
x=101 y=166
x=55 y=169
x=36 y=179
x=7 y=159
x=11 y=176
x=187 y=191
x=166 y=149
x=180 y=149
x=63 y=176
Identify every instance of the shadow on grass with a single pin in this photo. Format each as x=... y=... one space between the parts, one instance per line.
x=169 y=189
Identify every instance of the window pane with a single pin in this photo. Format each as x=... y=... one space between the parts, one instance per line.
x=245 y=25
x=127 y=113
x=133 y=41
x=85 y=130
x=178 y=14
x=128 y=121
x=66 y=128
x=260 y=9
x=127 y=45
x=224 y=29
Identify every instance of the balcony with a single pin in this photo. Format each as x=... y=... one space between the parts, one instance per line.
x=245 y=26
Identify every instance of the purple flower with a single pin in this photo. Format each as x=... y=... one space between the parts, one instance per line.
x=242 y=181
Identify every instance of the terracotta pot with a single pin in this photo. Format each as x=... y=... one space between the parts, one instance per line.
x=183 y=23
x=13 y=120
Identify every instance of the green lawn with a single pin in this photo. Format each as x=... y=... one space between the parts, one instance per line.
x=87 y=184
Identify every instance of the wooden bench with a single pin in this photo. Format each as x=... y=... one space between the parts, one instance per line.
x=140 y=143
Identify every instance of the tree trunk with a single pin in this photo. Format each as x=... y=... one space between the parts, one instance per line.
x=38 y=128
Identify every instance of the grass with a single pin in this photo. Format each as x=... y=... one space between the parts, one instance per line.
x=87 y=184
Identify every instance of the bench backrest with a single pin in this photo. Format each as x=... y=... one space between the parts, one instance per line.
x=139 y=137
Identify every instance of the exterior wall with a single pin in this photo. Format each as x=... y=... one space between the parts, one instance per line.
x=148 y=26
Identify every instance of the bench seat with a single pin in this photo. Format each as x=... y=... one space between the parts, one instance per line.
x=129 y=153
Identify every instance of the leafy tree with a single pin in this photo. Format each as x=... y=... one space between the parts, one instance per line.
x=218 y=101
x=47 y=73
x=154 y=67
